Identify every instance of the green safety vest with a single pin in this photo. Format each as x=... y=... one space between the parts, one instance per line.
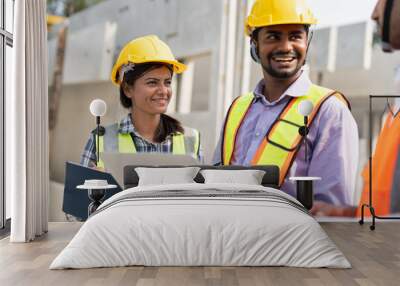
x=114 y=141
x=280 y=145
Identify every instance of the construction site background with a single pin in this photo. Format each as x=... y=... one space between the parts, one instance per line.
x=208 y=36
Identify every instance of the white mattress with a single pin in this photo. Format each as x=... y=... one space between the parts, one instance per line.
x=185 y=230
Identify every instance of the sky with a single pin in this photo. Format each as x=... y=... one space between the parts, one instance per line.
x=339 y=12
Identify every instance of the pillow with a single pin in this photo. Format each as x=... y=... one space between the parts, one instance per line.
x=163 y=176
x=248 y=177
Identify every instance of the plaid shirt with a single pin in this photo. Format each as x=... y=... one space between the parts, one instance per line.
x=89 y=156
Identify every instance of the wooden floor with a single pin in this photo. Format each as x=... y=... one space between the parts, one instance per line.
x=374 y=255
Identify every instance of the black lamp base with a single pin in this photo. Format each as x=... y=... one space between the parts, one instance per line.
x=305 y=190
x=305 y=193
x=96 y=196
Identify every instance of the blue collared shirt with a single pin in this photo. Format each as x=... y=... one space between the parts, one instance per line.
x=332 y=143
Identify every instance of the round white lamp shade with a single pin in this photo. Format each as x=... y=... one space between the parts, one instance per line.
x=305 y=107
x=98 y=107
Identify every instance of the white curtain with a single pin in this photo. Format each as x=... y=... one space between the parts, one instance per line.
x=27 y=146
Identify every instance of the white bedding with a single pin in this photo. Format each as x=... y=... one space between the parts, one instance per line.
x=187 y=230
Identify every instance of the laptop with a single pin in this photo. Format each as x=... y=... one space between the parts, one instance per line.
x=115 y=161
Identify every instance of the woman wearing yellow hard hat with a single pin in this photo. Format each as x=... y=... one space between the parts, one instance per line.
x=143 y=72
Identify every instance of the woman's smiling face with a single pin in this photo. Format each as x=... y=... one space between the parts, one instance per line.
x=152 y=92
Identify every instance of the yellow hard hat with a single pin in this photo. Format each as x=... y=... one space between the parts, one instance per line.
x=277 y=12
x=145 y=49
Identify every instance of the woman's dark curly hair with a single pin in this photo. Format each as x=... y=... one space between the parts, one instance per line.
x=168 y=125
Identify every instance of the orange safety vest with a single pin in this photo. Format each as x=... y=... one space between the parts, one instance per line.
x=384 y=162
x=281 y=143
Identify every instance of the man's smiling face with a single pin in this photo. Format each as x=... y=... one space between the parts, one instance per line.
x=282 y=49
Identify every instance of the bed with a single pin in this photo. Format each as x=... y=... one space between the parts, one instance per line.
x=201 y=224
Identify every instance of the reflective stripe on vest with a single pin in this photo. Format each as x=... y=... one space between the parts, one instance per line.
x=181 y=144
x=188 y=143
x=100 y=162
x=125 y=143
x=178 y=144
x=236 y=113
x=280 y=145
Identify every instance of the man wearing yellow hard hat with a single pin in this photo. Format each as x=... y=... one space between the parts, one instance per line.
x=262 y=127
x=143 y=73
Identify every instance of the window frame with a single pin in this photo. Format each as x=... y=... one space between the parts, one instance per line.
x=6 y=39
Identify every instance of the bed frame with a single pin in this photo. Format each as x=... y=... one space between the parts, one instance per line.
x=270 y=179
